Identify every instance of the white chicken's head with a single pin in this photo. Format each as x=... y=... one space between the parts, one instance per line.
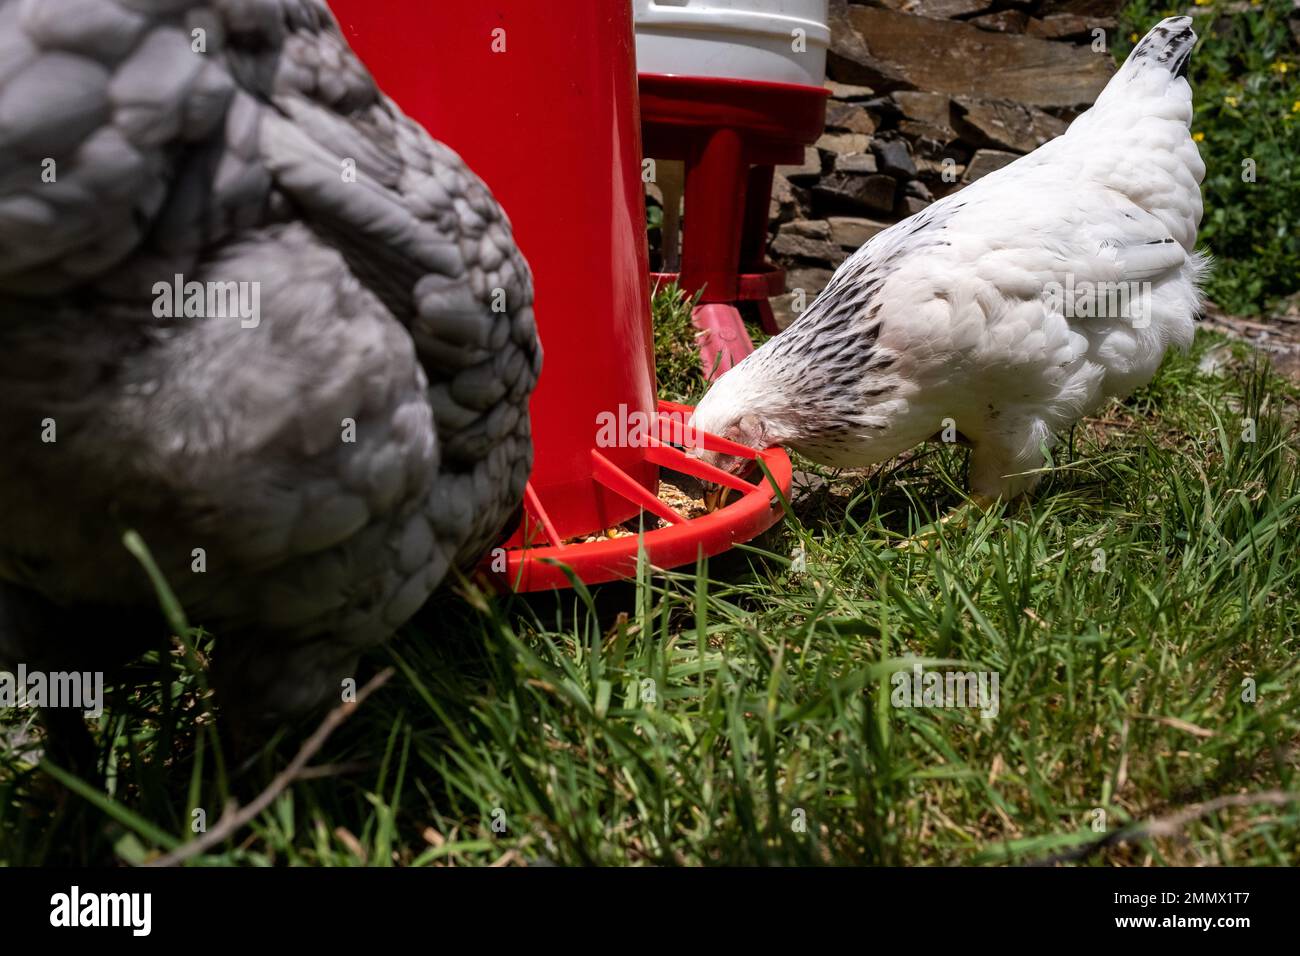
x=730 y=411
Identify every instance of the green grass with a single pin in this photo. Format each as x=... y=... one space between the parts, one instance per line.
x=740 y=712
x=676 y=359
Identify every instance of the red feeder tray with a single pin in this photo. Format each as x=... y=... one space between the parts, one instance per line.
x=682 y=541
x=543 y=107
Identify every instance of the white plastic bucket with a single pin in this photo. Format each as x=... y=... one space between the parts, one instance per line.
x=777 y=41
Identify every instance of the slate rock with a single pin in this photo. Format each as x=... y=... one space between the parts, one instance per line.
x=850 y=232
x=1003 y=124
x=842 y=192
x=809 y=170
x=848 y=118
x=894 y=157
x=862 y=164
x=890 y=51
x=986 y=161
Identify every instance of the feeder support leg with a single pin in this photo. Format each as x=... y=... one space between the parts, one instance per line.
x=716 y=181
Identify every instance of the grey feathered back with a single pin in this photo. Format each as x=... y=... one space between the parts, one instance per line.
x=331 y=461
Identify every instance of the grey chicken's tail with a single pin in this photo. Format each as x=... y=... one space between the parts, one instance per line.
x=1168 y=46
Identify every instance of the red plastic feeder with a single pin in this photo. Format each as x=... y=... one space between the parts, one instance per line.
x=730 y=133
x=543 y=106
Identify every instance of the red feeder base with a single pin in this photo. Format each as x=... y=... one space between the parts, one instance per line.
x=722 y=338
x=730 y=134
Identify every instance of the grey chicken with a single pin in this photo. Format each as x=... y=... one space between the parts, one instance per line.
x=253 y=312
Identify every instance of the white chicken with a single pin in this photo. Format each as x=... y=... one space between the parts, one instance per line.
x=1005 y=312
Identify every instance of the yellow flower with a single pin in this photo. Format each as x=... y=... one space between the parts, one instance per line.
x=1199 y=137
x=1204 y=3
x=1295 y=107
x=1230 y=100
x=1132 y=38
x=1278 y=66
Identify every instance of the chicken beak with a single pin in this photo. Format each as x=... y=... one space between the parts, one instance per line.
x=715 y=496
